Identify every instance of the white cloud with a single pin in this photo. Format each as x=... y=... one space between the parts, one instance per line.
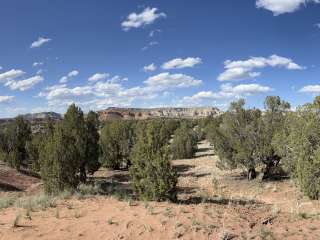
x=26 y=84
x=40 y=42
x=179 y=63
x=98 y=76
x=317 y=25
x=146 y=17
x=36 y=64
x=6 y=99
x=240 y=70
x=70 y=75
x=0 y=67
x=283 y=6
x=227 y=91
x=150 y=68
x=314 y=89
x=166 y=80
x=111 y=92
x=10 y=75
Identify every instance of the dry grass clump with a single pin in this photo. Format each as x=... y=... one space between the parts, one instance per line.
x=7 y=201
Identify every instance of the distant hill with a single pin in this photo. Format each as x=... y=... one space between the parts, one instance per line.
x=35 y=118
x=42 y=116
x=150 y=113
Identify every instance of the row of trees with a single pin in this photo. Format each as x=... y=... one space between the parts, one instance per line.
x=271 y=139
x=66 y=152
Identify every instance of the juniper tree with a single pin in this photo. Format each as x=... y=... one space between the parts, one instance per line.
x=153 y=177
x=299 y=146
x=17 y=135
x=90 y=163
x=184 y=144
x=116 y=142
x=59 y=162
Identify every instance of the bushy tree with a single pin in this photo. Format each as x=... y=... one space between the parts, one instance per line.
x=153 y=177
x=18 y=134
x=245 y=137
x=235 y=139
x=116 y=142
x=71 y=151
x=298 y=144
x=33 y=150
x=60 y=162
x=184 y=144
x=273 y=121
x=91 y=162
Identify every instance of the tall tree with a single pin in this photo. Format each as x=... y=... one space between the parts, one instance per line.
x=90 y=163
x=59 y=162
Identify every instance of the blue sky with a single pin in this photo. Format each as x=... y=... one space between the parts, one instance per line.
x=156 y=53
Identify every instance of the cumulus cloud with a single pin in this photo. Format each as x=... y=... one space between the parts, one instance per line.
x=244 y=69
x=24 y=85
x=146 y=17
x=283 y=6
x=111 y=92
x=6 y=99
x=98 y=76
x=40 y=42
x=150 y=68
x=228 y=91
x=10 y=75
x=179 y=63
x=314 y=89
x=68 y=77
x=166 y=80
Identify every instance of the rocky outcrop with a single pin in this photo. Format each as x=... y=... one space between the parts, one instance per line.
x=150 y=113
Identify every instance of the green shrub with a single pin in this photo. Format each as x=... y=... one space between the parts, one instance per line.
x=153 y=177
x=184 y=144
x=116 y=142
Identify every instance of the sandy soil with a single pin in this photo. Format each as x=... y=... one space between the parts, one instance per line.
x=213 y=204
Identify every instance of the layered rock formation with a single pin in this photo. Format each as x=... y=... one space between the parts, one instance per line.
x=150 y=113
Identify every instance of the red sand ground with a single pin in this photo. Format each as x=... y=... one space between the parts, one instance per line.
x=206 y=211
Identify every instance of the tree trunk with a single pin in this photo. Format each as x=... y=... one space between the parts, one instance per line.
x=83 y=174
x=252 y=174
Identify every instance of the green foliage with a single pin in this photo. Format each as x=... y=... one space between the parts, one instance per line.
x=299 y=146
x=70 y=152
x=91 y=160
x=16 y=136
x=59 y=162
x=244 y=137
x=33 y=148
x=116 y=142
x=184 y=144
x=153 y=177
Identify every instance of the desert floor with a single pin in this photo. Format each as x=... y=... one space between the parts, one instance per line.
x=213 y=204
